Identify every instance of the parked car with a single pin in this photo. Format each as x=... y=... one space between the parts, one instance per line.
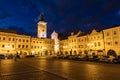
x=9 y=56
x=104 y=59
x=83 y=58
x=2 y=56
x=30 y=56
x=116 y=60
x=93 y=58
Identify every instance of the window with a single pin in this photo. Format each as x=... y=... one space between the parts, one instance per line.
x=74 y=40
x=3 y=46
x=12 y=46
x=108 y=43
x=74 y=46
x=13 y=39
x=23 y=40
x=98 y=36
x=18 y=46
x=3 y=38
x=81 y=46
x=95 y=44
x=116 y=42
x=98 y=43
x=22 y=46
x=115 y=32
x=9 y=39
x=108 y=34
x=26 y=46
x=19 y=40
x=26 y=40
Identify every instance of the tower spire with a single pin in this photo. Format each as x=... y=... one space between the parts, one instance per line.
x=42 y=17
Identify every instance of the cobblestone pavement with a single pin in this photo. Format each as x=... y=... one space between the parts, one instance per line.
x=19 y=70
x=56 y=69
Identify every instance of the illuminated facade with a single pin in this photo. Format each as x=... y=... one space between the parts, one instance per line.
x=42 y=46
x=12 y=43
x=105 y=42
x=112 y=40
x=96 y=43
x=42 y=27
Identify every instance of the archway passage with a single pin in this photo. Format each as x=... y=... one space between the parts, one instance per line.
x=75 y=52
x=111 y=53
x=66 y=53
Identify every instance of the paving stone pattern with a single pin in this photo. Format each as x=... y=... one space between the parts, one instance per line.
x=11 y=70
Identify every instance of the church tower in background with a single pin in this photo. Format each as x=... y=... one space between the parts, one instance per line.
x=42 y=27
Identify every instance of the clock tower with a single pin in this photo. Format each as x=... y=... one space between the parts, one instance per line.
x=42 y=27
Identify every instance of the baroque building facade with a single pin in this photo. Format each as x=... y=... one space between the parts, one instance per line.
x=105 y=42
x=13 y=43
